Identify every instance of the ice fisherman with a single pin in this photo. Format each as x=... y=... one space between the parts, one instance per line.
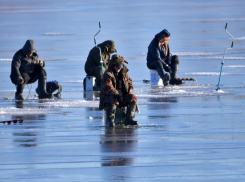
x=116 y=91
x=93 y=65
x=160 y=59
x=26 y=68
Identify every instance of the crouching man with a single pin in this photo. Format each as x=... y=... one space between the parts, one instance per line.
x=116 y=91
x=26 y=68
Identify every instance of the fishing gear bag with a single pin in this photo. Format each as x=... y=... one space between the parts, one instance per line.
x=51 y=87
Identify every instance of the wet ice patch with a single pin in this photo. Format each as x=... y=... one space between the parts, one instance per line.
x=56 y=34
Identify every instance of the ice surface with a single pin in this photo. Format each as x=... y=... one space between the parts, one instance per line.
x=186 y=133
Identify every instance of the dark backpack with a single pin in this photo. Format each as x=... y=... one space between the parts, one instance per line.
x=51 y=87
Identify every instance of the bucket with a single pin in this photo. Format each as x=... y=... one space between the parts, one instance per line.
x=155 y=78
x=90 y=82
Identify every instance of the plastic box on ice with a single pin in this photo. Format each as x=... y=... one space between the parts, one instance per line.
x=90 y=82
x=155 y=78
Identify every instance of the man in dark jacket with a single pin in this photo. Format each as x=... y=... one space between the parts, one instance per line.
x=93 y=65
x=26 y=68
x=159 y=58
x=116 y=90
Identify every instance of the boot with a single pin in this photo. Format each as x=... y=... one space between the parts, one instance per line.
x=166 y=79
x=174 y=80
x=110 y=115
x=130 y=114
x=42 y=89
x=97 y=86
x=19 y=91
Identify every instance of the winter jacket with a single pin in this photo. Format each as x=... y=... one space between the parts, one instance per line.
x=22 y=63
x=93 y=59
x=109 y=86
x=156 y=52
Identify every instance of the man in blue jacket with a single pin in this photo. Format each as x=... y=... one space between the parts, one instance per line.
x=159 y=58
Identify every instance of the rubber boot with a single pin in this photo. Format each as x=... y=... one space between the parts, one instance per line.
x=110 y=114
x=97 y=86
x=42 y=89
x=165 y=80
x=19 y=91
x=174 y=80
x=130 y=114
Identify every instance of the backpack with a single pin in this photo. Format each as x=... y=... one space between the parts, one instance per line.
x=51 y=87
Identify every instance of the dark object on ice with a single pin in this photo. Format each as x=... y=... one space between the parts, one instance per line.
x=176 y=81
x=189 y=79
x=179 y=81
x=12 y=121
x=146 y=81
x=51 y=87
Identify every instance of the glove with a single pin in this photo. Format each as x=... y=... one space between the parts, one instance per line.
x=41 y=63
x=20 y=80
x=119 y=98
x=168 y=69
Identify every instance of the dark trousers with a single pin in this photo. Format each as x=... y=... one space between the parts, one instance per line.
x=30 y=77
x=158 y=66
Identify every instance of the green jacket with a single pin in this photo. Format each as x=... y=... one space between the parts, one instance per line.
x=93 y=59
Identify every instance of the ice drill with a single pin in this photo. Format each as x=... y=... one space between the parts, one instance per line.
x=101 y=62
x=223 y=62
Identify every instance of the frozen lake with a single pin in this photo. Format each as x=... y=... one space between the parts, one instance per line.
x=187 y=133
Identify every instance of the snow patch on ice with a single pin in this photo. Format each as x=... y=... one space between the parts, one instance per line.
x=74 y=81
x=211 y=73
x=227 y=58
x=26 y=111
x=184 y=54
x=218 y=91
x=235 y=66
x=239 y=38
x=71 y=104
x=5 y=60
x=56 y=34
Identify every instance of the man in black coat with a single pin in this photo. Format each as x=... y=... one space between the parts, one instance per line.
x=26 y=68
x=159 y=58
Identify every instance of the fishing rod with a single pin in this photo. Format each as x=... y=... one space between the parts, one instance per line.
x=223 y=62
x=101 y=62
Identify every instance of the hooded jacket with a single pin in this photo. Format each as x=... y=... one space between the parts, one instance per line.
x=156 y=52
x=22 y=63
x=109 y=85
x=93 y=59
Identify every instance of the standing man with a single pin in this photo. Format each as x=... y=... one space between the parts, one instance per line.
x=26 y=68
x=159 y=58
x=116 y=91
x=93 y=65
